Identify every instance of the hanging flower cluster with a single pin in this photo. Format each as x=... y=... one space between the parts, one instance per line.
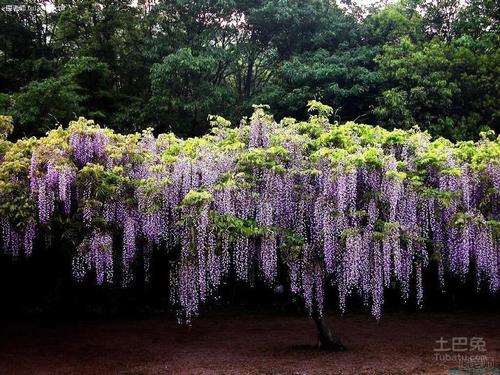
x=351 y=206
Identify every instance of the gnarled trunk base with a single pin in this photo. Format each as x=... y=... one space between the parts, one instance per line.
x=327 y=340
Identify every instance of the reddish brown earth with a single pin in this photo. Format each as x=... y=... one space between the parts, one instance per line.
x=239 y=343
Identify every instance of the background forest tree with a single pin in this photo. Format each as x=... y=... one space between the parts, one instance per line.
x=169 y=64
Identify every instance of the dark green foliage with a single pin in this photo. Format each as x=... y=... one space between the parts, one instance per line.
x=185 y=90
x=83 y=87
x=132 y=65
x=448 y=88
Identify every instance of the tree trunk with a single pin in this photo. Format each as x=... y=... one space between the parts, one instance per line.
x=249 y=75
x=327 y=340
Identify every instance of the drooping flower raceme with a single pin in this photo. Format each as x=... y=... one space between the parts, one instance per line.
x=308 y=203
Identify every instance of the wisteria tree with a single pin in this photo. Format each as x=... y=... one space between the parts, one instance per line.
x=353 y=207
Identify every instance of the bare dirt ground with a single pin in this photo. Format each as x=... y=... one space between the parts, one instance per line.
x=244 y=343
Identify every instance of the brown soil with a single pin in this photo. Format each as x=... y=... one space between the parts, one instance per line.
x=241 y=343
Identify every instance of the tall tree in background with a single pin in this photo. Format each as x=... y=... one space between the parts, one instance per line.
x=194 y=47
x=169 y=64
x=320 y=55
x=102 y=40
x=445 y=81
x=82 y=87
x=26 y=44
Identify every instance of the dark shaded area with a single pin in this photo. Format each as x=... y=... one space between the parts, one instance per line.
x=42 y=286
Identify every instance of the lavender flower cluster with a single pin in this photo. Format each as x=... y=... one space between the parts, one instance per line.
x=361 y=218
